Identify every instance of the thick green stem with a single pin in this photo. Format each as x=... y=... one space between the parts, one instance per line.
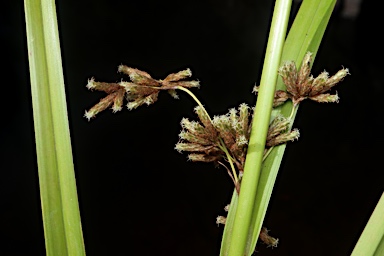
x=259 y=131
x=59 y=203
x=371 y=241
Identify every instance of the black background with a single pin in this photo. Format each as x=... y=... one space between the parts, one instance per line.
x=137 y=195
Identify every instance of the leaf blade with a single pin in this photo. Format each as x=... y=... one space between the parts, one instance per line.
x=60 y=210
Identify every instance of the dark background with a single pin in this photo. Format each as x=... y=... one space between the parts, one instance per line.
x=138 y=196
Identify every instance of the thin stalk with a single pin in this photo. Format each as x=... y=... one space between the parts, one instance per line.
x=193 y=97
x=259 y=130
x=59 y=203
x=229 y=158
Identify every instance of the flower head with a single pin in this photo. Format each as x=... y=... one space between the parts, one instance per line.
x=142 y=89
x=301 y=85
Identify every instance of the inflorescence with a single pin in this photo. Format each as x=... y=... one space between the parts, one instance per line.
x=302 y=85
x=223 y=139
x=142 y=89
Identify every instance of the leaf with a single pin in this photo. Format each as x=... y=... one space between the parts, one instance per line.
x=61 y=217
x=371 y=241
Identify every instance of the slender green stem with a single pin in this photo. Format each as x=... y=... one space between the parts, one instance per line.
x=267 y=153
x=230 y=161
x=293 y=113
x=259 y=131
x=194 y=98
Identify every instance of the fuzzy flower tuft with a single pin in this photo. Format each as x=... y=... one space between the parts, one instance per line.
x=302 y=85
x=267 y=239
x=204 y=140
x=232 y=129
x=141 y=90
x=279 y=132
x=91 y=85
x=220 y=220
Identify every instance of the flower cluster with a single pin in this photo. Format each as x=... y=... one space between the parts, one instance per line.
x=227 y=136
x=208 y=141
x=302 y=85
x=143 y=89
x=267 y=239
x=279 y=132
x=221 y=139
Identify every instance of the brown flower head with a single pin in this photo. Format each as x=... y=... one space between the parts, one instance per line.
x=204 y=141
x=267 y=239
x=301 y=85
x=279 y=132
x=114 y=98
x=142 y=89
x=201 y=140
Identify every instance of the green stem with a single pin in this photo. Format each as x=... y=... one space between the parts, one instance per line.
x=293 y=113
x=229 y=158
x=193 y=97
x=371 y=240
x=259 y=131
x=59 y=203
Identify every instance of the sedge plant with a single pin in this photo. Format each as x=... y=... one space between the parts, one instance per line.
x=247 y=142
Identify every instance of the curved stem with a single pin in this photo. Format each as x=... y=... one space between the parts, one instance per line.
x=232 y=177
x=194 y=98
x=222 y=144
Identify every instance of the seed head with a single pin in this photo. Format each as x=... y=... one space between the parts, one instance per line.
x=143 y=89
x=288 y=73
x=221 y=220
x=267 y=239
x=301 y=85
x=279 y=133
